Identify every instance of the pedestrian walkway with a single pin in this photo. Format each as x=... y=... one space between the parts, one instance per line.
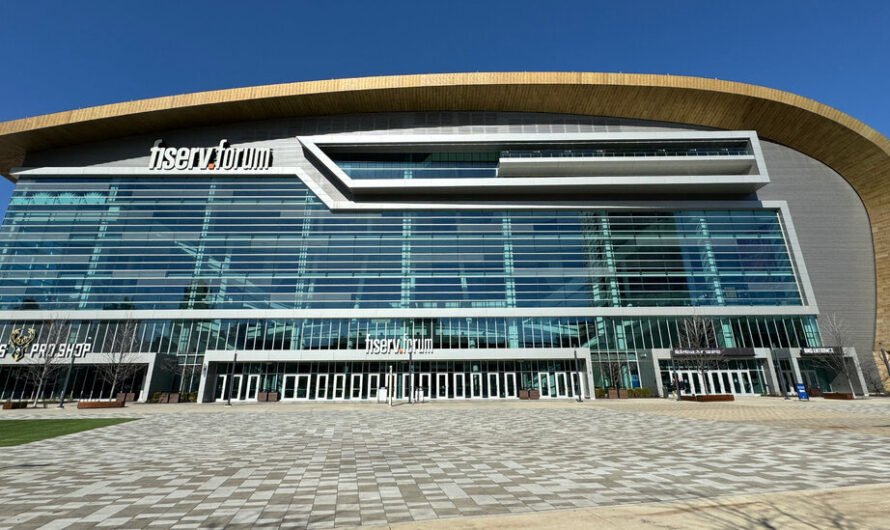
x=324 y=466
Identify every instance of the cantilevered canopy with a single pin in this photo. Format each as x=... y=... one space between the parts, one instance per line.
x=857 y=152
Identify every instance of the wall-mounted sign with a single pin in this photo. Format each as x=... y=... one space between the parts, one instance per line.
x=223 y=156
x=697 y=352
x=825 y=350
x=403 y=345
x=21 y=343
x=716 y=352
x=19 y=339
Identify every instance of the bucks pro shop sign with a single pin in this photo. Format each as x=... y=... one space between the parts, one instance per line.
x=221 y=157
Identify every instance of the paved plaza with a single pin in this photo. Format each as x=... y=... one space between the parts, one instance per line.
x=343 y=465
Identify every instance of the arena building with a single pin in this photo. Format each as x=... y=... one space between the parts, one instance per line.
x=491 y=235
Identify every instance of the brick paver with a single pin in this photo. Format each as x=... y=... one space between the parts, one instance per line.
x=323 y=466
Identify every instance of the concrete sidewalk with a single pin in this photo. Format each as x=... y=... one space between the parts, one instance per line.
x=851 y=507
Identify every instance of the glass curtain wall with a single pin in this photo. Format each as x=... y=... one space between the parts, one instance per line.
x=269 y=243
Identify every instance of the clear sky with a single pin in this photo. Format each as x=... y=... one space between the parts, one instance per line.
x=60 y=55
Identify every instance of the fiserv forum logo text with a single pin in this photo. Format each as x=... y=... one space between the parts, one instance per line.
x=222 y=156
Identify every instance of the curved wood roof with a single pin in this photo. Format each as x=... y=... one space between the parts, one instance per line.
x=857 y=152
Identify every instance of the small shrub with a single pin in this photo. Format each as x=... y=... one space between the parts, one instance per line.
x=600 y=393
x=639 y=392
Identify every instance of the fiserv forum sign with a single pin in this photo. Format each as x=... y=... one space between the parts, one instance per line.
x=222 y=156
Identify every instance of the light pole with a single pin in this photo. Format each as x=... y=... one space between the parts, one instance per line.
x=229 y=380
x=578 y=374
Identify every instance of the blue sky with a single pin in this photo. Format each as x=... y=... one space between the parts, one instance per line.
x=60 y=55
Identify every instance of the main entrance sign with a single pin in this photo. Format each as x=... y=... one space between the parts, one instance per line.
x=222 y=156
x=403 y=345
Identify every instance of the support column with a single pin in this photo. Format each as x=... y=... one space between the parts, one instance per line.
x=772 y=378
x=205 y=388
x=146 y=383
x=795 y=366
x=591 y=385
x=656 y=367
x=859 y=375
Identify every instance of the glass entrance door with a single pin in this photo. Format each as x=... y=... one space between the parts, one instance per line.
x=355 y=387
x=544 y=382
x=302 y=391
x=339 y=387
x=405 y=387
x=220 y=393
x=562 y=387
x=289 y=387
x=494 y=388
x=253 y=386
x=373 y=386
x=321 y=386
x=577 y=388
x=509 y=390
x=441 y=387
x=476 y=385
x=235 y=389
x=458 y=386
x=423 y=387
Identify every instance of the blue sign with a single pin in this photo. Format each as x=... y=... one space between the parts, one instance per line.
x=802 y=392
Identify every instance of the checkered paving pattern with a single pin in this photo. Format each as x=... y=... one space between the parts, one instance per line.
x=373 y=465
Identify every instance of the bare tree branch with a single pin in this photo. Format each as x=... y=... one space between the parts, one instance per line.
x=42 y=362
x=118 y=355
x=835 y=333
x=696 y=334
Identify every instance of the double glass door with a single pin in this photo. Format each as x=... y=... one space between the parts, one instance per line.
x=554 y=385
x=237 y=389
x=736 y=382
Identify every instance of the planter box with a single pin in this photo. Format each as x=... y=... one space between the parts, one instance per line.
x=267 y=396
x=815 y=391
x=100 y=404
x=523 y=394
x=534 y=394
x=621 y=393
x=837 y=395
x=9 y=405
x=169 y=397
x=130 y=396
x=709 y=397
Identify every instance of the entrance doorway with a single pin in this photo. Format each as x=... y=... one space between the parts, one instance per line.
x=476 y=390
x=458 y=386
x=509 y=387
x=253 y=386
x=373 y=386
x=295 y=387
x=355 y=387
x=494 y=389
x=441 y=390
x=339 y=387
x=321 y=386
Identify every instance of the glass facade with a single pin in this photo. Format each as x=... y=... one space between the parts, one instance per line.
x=610 y=340
x=366 y=164
x=269 y=243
